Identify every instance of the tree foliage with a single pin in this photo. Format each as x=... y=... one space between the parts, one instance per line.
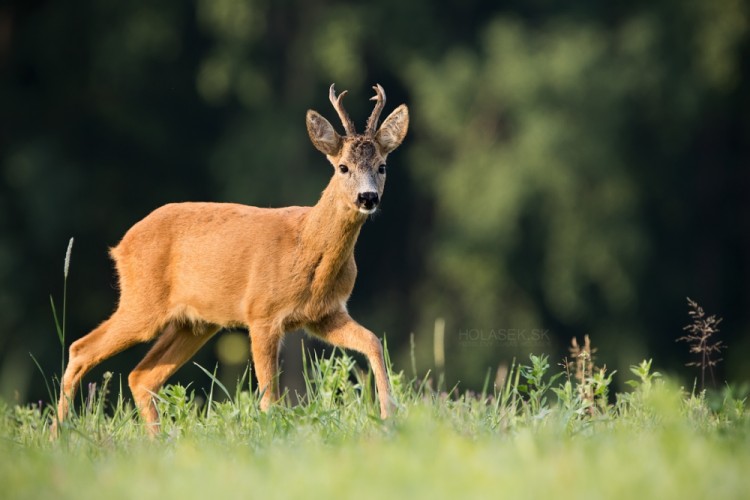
x=569 y=169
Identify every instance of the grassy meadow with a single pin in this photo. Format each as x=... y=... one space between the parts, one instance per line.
x=532 y=432
x=531 y=435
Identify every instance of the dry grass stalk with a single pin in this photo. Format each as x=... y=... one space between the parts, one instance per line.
x=583 y=362
x=700 y=331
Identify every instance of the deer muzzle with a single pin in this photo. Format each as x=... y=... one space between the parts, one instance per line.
x=367 y=202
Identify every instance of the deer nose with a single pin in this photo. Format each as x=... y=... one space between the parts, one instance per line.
x=367 y=200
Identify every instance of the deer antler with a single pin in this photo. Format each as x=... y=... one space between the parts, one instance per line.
x=339 y=107
x=372 y=122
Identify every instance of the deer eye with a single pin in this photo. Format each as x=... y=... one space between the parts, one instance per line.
x=381 y=169
x=343 y=169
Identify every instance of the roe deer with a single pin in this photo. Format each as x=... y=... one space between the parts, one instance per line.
x=189 y=269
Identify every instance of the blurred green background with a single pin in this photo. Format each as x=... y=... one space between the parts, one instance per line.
x=571 y=167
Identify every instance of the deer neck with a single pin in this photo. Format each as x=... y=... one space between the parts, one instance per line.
x=327 y=240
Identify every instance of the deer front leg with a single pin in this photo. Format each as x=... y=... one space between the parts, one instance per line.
x=264 y=343
x=341 y=330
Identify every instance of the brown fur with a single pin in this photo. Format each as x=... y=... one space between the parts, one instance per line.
x=189 y=269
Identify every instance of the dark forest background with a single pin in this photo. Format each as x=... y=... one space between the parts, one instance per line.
x=571 y=168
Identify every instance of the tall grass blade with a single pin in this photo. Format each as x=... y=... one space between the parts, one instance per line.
x=44 y=377
x=215 y=380
x=58 y=326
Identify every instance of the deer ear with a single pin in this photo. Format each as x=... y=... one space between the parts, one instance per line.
x=323 y=136
x=393 y=130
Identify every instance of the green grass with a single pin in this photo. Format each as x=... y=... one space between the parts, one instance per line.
x=657 y=441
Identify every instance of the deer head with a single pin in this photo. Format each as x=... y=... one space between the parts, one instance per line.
x=359 y=159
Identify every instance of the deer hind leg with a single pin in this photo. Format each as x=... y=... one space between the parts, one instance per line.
x=171 y=350
x=264 y=344
x=341 y=330
x=116 y=334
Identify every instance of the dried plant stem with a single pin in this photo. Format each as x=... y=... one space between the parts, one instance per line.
x=699 y=338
